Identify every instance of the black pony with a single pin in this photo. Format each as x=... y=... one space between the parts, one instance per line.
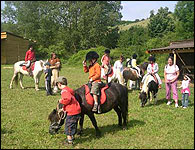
x=116 y=98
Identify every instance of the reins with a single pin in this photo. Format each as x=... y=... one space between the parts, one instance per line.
x=62 y=116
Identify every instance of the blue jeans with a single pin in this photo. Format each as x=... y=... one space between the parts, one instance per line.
x=185 y=99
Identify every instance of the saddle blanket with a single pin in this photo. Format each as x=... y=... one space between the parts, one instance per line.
x=89 y=97
x=32 y=67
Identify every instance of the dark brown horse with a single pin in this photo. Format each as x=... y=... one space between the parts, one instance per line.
x=116 y=98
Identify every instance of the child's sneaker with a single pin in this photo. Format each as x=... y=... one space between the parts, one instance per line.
x=184 y=107
x=169 y=103
x=176 y=105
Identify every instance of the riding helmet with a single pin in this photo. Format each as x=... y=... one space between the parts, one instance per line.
x=91 y=55
x=107 y=51
x=152 y=58
x=134 y=56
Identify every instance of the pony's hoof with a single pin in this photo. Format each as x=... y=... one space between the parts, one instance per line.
x=22 y=88
x=37 y=89
x=10 y=87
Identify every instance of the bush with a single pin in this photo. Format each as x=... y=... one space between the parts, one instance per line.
x=78 y=58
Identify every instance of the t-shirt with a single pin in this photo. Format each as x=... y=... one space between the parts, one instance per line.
x=49 y=71
x=105 y=60
x=118 y=66
x=171 y=71
x=133 y=63
x=185 y=85
x=54 y=61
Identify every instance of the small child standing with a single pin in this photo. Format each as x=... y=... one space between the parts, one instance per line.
x=185 y=91
x=48 y=74
x=71 y=106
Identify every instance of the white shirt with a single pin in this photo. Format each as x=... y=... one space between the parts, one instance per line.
x=171 y=71
x=185 y=84
x=118 y=66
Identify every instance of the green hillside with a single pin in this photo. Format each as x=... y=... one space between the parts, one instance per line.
x=126 y=27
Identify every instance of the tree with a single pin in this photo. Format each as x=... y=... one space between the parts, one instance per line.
x=160 y=23
x=74 y=25
x=184 y=15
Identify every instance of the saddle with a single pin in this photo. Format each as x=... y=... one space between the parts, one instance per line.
x=32 y=66
x=101 y=97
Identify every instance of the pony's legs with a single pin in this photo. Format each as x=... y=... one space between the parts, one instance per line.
x=36 y=83
x=81 y=124
x=93 y=120
x=11 y=83
x=20 y=79
x=118 y=111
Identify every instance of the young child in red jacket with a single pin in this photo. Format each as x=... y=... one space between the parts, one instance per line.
x=71 y=106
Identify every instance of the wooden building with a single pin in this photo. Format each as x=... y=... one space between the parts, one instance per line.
x=183 y=52
x=13 y=47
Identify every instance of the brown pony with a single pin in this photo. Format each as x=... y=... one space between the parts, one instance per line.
x=131 y=74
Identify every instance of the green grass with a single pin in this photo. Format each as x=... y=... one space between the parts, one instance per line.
x=24 y=121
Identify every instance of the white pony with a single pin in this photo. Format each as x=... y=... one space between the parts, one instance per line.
x=116 y=76
x=149 y=86
x=38 y=70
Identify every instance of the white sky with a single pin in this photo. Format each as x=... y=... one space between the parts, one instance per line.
x=138 y=9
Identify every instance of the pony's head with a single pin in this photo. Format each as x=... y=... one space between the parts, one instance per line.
x=143 y=98
x=43 y=62
x=56 y=118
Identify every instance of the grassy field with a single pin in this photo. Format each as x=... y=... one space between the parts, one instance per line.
x=24 y=121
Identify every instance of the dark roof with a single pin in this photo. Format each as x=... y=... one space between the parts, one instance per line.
x=175 y=45
x=15 y=35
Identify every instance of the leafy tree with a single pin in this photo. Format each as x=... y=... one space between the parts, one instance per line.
x=136 y=35
x=161 y=23
x=184 y=15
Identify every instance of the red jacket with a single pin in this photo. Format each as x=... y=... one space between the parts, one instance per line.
x=71 y=105
x=30 y=55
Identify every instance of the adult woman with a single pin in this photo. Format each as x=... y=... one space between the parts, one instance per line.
x=171 y=73
x=55 y=66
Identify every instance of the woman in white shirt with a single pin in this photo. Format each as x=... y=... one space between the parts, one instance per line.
x=118 y=69
x=171 y=73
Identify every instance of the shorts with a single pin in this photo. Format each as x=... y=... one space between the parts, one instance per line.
x=95 y=88
x=71 y=124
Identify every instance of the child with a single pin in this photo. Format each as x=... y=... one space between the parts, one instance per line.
x=71 y=106
x=94 y=70
x=48 y=74
x=185 y=91
x=134 y=64
x=106 y=61
x=152 y=69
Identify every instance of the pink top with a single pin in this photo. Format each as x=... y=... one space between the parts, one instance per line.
x=171 y=71
x=105 y=60
x=185 y=86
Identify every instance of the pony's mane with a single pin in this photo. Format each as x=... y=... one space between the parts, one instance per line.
x=145 y=85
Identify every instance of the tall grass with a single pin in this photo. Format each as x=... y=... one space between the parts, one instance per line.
x=24 y=121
